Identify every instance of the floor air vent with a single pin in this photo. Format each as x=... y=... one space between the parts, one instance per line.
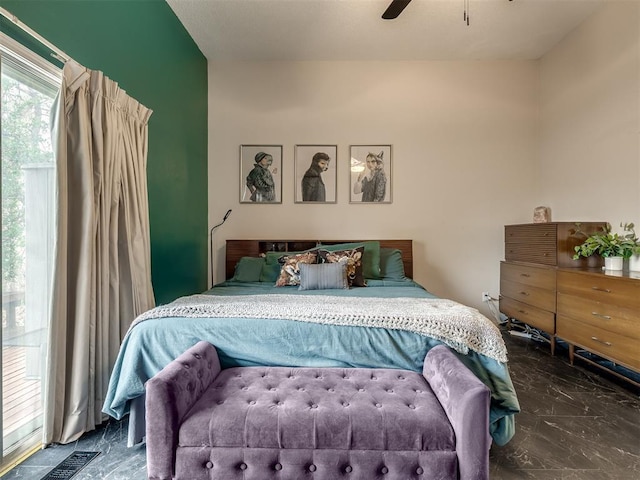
x=70 y=466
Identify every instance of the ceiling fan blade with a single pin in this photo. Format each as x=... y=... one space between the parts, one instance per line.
x=394 y=9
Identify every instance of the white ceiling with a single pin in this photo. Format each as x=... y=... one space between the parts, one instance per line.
x=285 y=30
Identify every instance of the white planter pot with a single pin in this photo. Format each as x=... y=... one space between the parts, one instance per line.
x=613 y=263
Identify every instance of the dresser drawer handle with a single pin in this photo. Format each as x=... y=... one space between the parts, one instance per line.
x=596 y=339
x=598 y=289
x=524 y=293
x=525 y=275
x=596 y=314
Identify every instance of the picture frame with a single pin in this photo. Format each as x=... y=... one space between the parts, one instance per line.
x=315 y=173
x=367 y=185
x=260 y=173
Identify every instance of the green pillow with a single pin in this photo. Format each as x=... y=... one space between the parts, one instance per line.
x=248 y=269
x=370 y=259
x=271 y=258
x=270 y=272
x=391 y=266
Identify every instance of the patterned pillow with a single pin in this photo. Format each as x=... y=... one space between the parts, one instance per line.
x=351 y=258
x=370 y=256
x=323 y=276
x=290 y=271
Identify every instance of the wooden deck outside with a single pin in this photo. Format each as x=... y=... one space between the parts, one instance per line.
x=21 y=384
x=21 y=397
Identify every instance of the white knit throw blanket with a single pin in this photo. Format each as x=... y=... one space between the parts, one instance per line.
x=458 y=326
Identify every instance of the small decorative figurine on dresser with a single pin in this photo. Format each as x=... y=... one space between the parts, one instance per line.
x=541 y=215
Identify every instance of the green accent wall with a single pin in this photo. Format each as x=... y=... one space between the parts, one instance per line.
x=142 y=45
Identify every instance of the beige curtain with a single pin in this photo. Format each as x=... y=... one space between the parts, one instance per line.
x=102 y=266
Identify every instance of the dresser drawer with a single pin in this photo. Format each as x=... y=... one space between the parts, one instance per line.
x=536 y=296
x=550 y=243
x=536 y=317
x=534 y=276
x=538 y=233
x=601 y=288
x=619 y=348
x=623 y=321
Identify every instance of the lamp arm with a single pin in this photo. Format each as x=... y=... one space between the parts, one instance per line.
x=224 y=219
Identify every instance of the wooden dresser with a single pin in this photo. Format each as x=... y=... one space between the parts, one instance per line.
x=533 y=252
x=600 y=312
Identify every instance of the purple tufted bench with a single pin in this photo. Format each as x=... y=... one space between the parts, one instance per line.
x=316 y=423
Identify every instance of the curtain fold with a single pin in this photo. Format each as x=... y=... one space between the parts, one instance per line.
x=102 y=264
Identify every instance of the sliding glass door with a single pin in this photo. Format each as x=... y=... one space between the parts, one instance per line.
x=28 y=86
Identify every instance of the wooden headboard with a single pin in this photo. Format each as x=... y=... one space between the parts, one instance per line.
x=236 y=249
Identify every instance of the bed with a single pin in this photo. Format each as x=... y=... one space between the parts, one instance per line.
x=253 y=322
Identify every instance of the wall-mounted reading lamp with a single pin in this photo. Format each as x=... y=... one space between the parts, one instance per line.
x=224 y=219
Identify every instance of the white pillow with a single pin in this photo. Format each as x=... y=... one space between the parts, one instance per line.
x=320 y=276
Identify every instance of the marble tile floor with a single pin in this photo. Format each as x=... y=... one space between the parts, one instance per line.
x=576 y=424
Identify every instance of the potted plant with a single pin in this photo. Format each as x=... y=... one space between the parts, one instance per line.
x=610 y=245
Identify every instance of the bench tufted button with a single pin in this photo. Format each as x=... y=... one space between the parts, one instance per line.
x=277 y=466
x=412 y=406
x=378 y=405
x=418 y=391
x=390 y=390
x=291 y=376
x=313 y=405
x=312 y=468
x=245 y=388
x=361 y=389
x=186 y=365
x=209 y=465
x=373 y=377
x=199 y=374
x=197 y=355
x=242 y=466
x=419 y=471
x=348 y=469
x=252 y=402
x=189 y=387
x=220 y=402
x=272 y=389
x=400 y=377
x=301 y=389
x=384 y=470
x=330 y=390
x=345 y=404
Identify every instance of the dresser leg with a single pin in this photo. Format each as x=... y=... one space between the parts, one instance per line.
x=552 y=340
x=572 y=351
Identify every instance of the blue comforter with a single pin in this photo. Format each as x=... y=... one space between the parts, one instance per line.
x=152 y=344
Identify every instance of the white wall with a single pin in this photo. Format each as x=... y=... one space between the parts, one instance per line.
x=464 y=139
x=589 y=166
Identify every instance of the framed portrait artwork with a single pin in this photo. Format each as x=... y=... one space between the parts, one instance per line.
x=370 y=174
x=260 y=173
x=315 y=173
